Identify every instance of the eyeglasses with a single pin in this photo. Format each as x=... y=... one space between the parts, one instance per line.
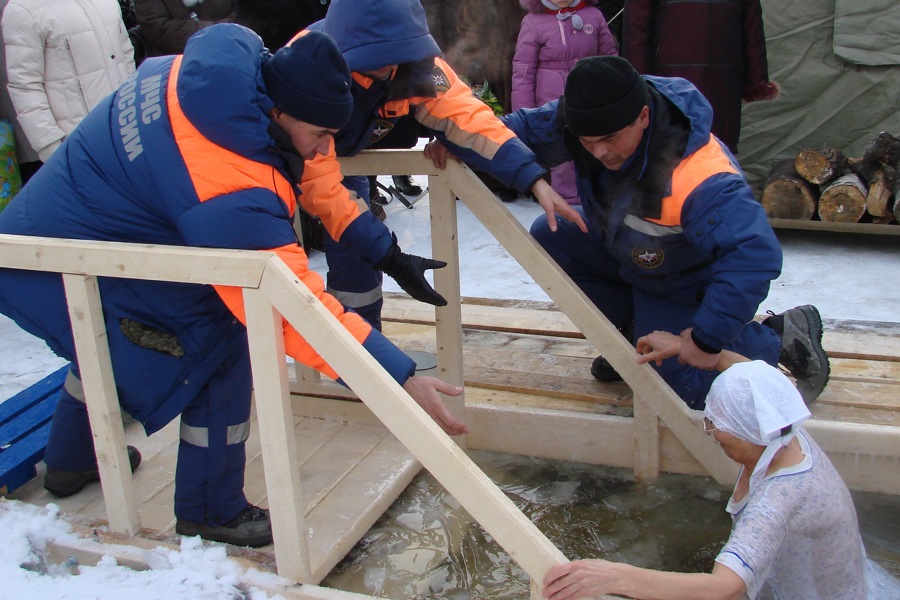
x=708 y=426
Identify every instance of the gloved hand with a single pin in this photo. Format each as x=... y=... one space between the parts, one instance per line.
x=408 y=270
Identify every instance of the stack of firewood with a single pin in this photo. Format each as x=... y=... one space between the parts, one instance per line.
x=824 y=183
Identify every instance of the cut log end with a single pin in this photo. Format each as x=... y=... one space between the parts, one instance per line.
x=820 y=165
x=844 y=200
x=786 y=195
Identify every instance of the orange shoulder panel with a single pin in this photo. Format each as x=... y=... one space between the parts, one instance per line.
x=214 y=170
x=691 y=172
x=324 y=195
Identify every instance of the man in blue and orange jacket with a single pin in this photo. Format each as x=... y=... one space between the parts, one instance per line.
x=676 y=240
x=396 y=72
x=202 y=149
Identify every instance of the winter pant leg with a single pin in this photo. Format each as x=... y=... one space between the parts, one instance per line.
x=351 y=280
x=584 y=259
x=563 y=179
x=692 y=384
x=70 y=445
x=209 y=477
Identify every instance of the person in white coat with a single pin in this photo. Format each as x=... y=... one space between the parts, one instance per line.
x=62 y=58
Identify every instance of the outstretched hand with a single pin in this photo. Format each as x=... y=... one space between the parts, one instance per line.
x=579 y=579
x=554 y=204
x=408 y=270
x=426 y=390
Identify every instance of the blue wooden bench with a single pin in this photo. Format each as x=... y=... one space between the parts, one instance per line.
x=24 y=427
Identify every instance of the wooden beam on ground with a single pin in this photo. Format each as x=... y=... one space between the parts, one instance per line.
x=89 y=546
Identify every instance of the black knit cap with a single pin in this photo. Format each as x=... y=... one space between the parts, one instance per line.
x=603 y=95
x=309 y=80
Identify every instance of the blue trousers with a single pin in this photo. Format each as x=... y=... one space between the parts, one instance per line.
x=584 y=258
x=209 y=476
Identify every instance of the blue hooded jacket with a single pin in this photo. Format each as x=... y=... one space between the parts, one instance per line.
x=717 y=251
x=377 y=33
x=181 y=154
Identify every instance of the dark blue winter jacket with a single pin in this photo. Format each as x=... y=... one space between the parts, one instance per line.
x=679 y=218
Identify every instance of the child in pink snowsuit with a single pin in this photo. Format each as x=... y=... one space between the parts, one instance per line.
x=554 y=35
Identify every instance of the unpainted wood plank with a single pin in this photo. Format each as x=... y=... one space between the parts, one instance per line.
x=445 y=246
x=402 y=415
x=589 y=438
x=864 y=341
x=865 y=371
x=550 y=386
x=336 y=459
x=502 y=318
x=647 y=458
x=240 y=268
x=89 y=333
x=861 y=345
x=271 y=395
x=357 y=501
x=860 y=394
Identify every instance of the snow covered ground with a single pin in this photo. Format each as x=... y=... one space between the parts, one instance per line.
x=849 y=277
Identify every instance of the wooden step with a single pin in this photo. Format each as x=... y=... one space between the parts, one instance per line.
x=351 y=472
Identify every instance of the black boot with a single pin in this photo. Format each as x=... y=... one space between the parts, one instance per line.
x=66 y=483
x=801 y=353
x=406 y=185
x=251 y=527
x=601 y=369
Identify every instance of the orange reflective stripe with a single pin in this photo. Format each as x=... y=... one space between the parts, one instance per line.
x=691 y=172
x=215 y=171
x=324 y=194
x=458 y=114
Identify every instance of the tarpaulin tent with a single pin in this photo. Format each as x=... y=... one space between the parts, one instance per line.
x=838 y=65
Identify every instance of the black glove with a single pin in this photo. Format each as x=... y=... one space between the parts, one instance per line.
x=408 y=270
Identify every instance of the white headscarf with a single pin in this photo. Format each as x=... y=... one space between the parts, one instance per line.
x=754 y=402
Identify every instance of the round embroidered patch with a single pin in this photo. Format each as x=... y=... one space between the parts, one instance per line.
x=382 y=128
x=648 y=258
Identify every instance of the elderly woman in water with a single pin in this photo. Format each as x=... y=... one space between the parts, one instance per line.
x=795 y=532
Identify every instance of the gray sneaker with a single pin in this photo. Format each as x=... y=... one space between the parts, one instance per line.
x=251 y=527
x=802 y=354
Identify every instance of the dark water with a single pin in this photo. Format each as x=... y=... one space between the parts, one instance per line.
x=427 y=546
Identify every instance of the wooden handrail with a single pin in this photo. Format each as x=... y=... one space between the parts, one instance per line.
x=270 y=286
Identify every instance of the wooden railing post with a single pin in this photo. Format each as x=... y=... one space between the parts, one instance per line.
x=95 y=368
x=276 y=434
x=448 y=319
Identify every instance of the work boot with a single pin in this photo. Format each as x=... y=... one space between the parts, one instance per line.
x=63 y=484
x=601 y=369
x=802 y=354
x=251 y=527
x=406 y=185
